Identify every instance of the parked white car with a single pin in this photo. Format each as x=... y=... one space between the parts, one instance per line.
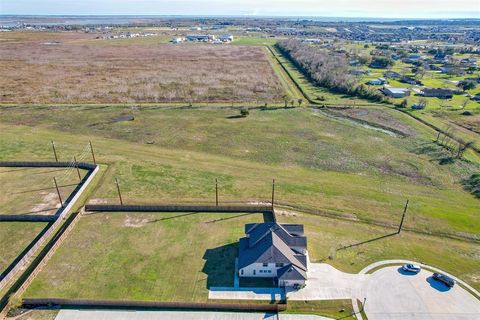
x=411 y=268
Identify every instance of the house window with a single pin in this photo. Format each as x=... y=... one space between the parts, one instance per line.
x=279 y=265
x=241 y=272
x=254 y=271
x=265 y=264
x=269 y=271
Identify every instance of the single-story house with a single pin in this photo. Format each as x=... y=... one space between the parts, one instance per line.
x=272 y=250
x=358 y=72
x=377 y=82
x=410 y=80
x=442 y=93
x=392 y=75
x=395 y=92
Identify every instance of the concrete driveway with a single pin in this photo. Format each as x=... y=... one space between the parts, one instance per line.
x=394 y=294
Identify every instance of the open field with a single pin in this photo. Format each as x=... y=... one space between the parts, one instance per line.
x=138 y=256
x=15 y=237
x=320 y=163
x=31 y=191
x=325 y=235
x=72 y=68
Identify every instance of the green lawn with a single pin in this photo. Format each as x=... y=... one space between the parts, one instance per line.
x=336 y=309
x=138 y=256
x=14 y=238
x=32 y=191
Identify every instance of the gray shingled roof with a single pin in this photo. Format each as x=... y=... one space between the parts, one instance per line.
x=266 y=246
x=291 y=272
x=257 y=231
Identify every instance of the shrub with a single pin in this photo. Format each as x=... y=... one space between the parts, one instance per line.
x=244 y=112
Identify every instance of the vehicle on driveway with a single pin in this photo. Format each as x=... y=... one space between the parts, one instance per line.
x=449 y=282
x=411 y=268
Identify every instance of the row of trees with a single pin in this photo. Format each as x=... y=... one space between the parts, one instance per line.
x=327 y=69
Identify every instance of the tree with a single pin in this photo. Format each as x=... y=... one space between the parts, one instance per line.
x=244 y=112
x=403 y=104
x=466 y=85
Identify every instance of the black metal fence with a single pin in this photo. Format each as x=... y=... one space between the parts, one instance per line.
x=118 y=304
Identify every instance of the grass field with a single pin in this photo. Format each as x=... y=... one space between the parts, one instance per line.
x=15 y=237
x=31 y=191
x=320 y=163
x=65 y=68
x=162 y=257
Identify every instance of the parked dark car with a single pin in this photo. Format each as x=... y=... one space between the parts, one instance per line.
x=449 y=282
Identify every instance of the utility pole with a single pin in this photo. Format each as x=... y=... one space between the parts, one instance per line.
x=403 y=217
x=76 y=166
x=119 y=193
x=273 y=192
x=216 y=191
x=93 y=154
x=58 y=192
x=438 y=136
x=54 y=151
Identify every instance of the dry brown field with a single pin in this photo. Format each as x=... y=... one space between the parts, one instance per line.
x=73 y=67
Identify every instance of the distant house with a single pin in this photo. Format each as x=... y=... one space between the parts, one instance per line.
x=392 y=75
x=377 y=82
x=394 y=92
x=410 y=80
x=272 y=250
x=358 y=72
x=442 y=93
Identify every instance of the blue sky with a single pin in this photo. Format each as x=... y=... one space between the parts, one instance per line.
x=324 y=8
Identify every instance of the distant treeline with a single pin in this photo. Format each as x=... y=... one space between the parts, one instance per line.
x=327 y=69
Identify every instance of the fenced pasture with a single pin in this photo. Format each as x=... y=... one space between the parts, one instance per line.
x=31 y=191
x=67 y=69
x=14 y=238
x=144 y=256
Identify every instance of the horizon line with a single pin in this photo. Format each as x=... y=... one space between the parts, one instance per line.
x=235 y=16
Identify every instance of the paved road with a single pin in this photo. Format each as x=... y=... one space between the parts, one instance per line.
x=394 y=294
x=173 y=315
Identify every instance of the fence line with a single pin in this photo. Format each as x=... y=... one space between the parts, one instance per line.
x=59 y=217
x=274 y=307
x=44 y=164
x=27 y=218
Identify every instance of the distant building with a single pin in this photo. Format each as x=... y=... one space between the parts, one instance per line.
x=441 y=93
x=377 y=82
x=395 y=92
x=200 y=37
x=178 y=40
x=392 y=75
x=226 y=38
x=410 y=80
x=272 y=250
x=358 y=72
